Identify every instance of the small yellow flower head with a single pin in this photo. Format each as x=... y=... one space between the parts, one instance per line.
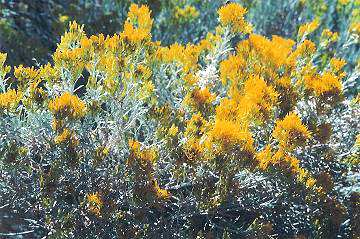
x=326 y=85
x=232 y=68
x=290 y=132
x=67 y=105
x=71 y=38
x=2 y=58
x=227 y=134
x=143 y=155
x=63 y=137
x=337 y=64
x=305 y=49
x=161 y=193
x=187 y=56
x=264 y=157
x=49 y=73
x=310 y=182
x=144 y=72
x=3 y=69
x=357 y=142
x=261 y=97
x=233 y=14
x=138 y=25
x=191 y=79
x=173 y=130
x=187 y=13
x=209 y=42
x=308 y=28
x=140 y=15
x=95 y=203
x=355 y=28
x=344 y=2
x=63 y=18
x=26 y=73
x=328 y=36
x=200 y=98
x=9 y=100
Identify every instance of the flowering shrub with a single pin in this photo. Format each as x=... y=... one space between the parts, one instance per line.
x=236 y=136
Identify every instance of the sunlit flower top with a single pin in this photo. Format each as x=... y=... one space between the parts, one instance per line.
x=67 y=105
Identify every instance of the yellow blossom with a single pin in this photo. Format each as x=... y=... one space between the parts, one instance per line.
x=173 y=130
x=325 y=85
x=344 y=2
x=25 y=74
x=9 y=100
x=72 y=37
x=95 y=203
x=63 y=18
x=290 y=132
x=161 y=193
x=357 y=141
x=3 y=69
x=337 y=64
x=310 y=182
x=191 y=79
x=187 y=56
x=138 y=25
x=226 y=135
x=264 y=157
x=308 y=28
x=259 y=96
x=67 y=105
x=328 y=36
x=232 y=69
x=305 y=50
x=144 y=155
x=233 y=14
x=63 y=137
x=187 y=13
x=200 y=97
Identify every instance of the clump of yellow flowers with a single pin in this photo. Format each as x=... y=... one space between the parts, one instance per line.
x=233 y=14
x=67 y=106
x=148 y=136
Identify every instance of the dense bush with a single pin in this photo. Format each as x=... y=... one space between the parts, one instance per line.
x=231 y=133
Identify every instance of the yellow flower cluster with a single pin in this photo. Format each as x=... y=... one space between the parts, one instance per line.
x=67 y=106
x=71 y=39
x=281 y=159
x=25 y=73
x=199 y=98
x=337 y=64
x=187 y=13
x=3 y=69
x=94 y=203
x=173 y=130
x=144 y=155
x=233 y=14
x=138 y=25
x=141 y=162
x=258 y=98
x=226 y=119
x=328 y=37
x=290 y=132
x=187 y=56
x=195 y=130
x=308 y=28
x=227 y=135
x=328 y=84
x=66 y=137
x=9 y=100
